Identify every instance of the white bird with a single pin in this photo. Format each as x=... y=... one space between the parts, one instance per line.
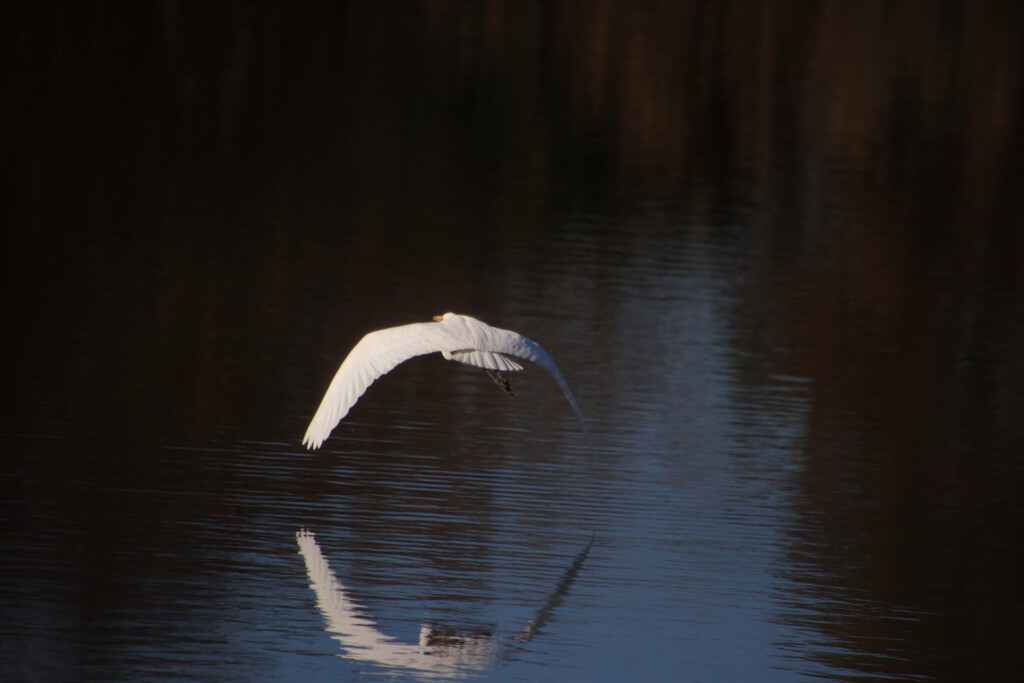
x=457 y=337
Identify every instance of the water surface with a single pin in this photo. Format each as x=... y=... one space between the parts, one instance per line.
x=774 y=248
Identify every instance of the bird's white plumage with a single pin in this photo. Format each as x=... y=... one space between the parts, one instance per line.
x=456 y=337
x=487 y=360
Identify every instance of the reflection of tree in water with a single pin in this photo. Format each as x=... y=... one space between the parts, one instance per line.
x=441 y=651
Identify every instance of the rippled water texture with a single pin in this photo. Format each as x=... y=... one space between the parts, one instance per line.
x=775 y=249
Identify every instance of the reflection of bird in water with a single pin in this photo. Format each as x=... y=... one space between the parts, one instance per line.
x=440 y=652
x=456 y=337
x=358 y=635
x=544 y=613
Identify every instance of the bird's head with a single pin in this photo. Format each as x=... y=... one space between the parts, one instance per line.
x=439 y=318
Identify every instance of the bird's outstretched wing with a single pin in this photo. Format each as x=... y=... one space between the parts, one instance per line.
x=514 y=344
x=375 y=354
x=533 y=352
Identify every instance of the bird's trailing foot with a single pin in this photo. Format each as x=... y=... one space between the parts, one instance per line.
x=500 y=380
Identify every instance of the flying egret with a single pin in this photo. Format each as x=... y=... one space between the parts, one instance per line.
x=457 y=337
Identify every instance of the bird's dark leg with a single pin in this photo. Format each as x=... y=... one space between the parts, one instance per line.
x=500 y=380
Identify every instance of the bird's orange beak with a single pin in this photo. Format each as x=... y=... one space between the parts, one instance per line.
x=438 y=318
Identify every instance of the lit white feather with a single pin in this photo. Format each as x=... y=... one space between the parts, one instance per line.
x=456 y=337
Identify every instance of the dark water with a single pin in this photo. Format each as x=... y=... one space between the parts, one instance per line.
x=775 y=248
